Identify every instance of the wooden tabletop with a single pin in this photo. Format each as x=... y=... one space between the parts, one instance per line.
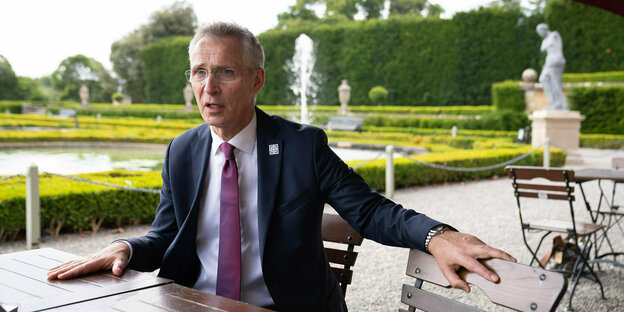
x=583 y=175
x=24 y=283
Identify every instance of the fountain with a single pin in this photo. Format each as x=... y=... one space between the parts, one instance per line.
x=302 y=65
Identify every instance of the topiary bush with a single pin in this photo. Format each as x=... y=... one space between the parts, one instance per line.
x=507 y=96
x=378 y=95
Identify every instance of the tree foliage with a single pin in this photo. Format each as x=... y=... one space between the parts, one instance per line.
x=8 y=80
x=77 y=70
x=179 y=19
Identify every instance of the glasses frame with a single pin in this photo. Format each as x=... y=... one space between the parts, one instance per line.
x=216 y=74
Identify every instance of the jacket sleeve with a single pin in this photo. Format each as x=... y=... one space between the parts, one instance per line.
x=369 y=213
x=149 y=250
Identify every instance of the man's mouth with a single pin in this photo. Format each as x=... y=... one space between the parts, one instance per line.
x=213 y=106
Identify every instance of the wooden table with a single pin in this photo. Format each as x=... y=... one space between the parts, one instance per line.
x=24 y=283
x=611 y=214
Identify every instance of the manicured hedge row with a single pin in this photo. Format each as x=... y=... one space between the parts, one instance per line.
x=408 y=173
x=499 y=120
x=70 y=205
x=506 y=95
x=603 y=108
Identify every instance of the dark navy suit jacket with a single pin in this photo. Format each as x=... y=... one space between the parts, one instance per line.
x=293 y=186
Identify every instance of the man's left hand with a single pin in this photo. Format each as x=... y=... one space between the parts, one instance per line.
x=453 y=250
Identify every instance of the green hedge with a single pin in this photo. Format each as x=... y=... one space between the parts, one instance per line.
x=164 y=64
x=506 y=95
x=603 y=108
x=616 y=76
x=593 y=39
x=431 y=62
x=409 y=173
x=502 y=120
x=72 y=205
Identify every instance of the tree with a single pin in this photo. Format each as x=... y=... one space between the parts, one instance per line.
x=434 y=10
x=371 y=8
x=31 y=89
x=177 y=20
x=407 y=7
x=8 y=80
x=77 y=70
x=298 y=12
x=347 y=8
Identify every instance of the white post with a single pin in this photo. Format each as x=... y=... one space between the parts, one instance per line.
x=389 y=171
x=454 y=131
x=33 y=221
x=547 y=153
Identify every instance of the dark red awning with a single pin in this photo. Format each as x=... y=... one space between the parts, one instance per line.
x=615 y=6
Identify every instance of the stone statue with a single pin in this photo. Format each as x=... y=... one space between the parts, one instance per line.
x=344 y=94
x=188 y=96
x=550 y=77
x=84 y=95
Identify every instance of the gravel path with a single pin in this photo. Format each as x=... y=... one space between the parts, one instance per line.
x=484 y=208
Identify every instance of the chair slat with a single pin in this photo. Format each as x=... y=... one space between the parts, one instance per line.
x=546 y=195
x=343 y=257
x=544 y=187
x=431 y=302
x=343 y=276
x=528 y=173
x=519 y=287
x=582 y=228
x=336 y=229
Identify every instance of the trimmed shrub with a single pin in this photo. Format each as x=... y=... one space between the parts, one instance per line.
x=378 y=94
x=507 y=95
x=603 y=108
x=165 y=62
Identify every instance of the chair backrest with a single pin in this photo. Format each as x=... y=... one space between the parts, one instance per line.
x=521 y=287
x=337 y=230
x=617 y=162
x=558 y=185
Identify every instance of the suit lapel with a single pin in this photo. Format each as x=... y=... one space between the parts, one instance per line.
x=200 y=156
x=269 y=166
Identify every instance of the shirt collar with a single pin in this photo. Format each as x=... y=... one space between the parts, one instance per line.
x=245 y=140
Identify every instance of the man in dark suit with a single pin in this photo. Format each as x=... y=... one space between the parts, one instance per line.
x=283 y=174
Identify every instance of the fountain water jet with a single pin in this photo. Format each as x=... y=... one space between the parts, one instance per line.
x=303 y=63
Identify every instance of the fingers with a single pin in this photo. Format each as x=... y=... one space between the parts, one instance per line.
x=450 y=274
x=118 y=266
x=113 y=257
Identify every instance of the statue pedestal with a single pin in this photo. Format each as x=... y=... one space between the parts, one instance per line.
x=561 y=127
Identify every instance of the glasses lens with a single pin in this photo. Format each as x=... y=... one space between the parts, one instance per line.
x=226 y=74
x=187 y=74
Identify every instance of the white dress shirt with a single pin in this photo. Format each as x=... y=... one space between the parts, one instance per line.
x=253 y=287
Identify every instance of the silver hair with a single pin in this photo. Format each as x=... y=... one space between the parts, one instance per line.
x=254 y=53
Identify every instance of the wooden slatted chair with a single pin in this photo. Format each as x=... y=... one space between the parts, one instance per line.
x=521 y=287
x=554 y=184
x=337 y=230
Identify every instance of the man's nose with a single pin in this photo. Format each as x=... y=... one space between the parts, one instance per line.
x=211 y=85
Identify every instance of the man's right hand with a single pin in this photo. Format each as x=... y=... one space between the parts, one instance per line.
x=114 y=257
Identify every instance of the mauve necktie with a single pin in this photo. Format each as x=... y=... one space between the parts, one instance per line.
x=229 y=270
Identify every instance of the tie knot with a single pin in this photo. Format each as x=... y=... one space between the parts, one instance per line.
x=228 y=150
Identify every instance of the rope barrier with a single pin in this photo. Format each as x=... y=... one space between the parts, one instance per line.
x=449 y=168
x=138 y=189
x=368 y=161
x=10 y=177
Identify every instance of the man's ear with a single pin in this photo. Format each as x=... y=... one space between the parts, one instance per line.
x=258 y=79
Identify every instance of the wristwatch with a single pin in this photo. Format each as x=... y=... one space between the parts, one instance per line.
x=436 y=230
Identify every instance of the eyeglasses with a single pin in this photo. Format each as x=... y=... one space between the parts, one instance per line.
x=221 y=74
